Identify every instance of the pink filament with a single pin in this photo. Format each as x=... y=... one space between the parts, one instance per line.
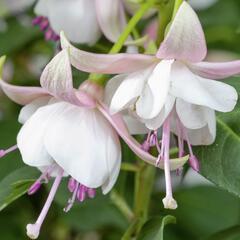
x=35 y=228
x=5 y=152
x=165 y=145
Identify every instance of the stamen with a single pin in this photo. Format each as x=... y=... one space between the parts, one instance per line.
x=37 y=20
x=45 y=27
x=180 y=139
x=43 y=178
x=168 y=201
x=72 y=183
x=81 y=194
x=33 y=230
x=91 y=192
x=193 y=161
x=72 y=199
x=5 y=152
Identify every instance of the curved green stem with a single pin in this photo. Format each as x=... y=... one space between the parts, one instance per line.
x=100 y=78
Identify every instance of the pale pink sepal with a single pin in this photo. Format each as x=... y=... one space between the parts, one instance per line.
x=119 y=125
x=185 y=39
x=216 y=70
x=106 y=63
x=57 y=80
x=111 y=18
x=22 y=95
x=56 y=77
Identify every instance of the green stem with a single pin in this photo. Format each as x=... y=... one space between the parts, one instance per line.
x=176 y=7
x=164 y=17
x=144 y=180
x=100 y=78
x=121 y=204
x=129 y=167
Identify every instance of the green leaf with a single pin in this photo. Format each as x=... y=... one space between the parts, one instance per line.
x=154 y=228
x=202 y=211
x=15 y=185
x=15 y=30
x=220 y=162
x=232 y=233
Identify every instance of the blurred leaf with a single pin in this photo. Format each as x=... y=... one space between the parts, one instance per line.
x=16 y=36
x=203 y=211
x=15 y=185
x=91 y=214
x=220 y=161
x=154 y=228
x=232 y=233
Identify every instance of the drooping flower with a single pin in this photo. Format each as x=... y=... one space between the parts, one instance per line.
x=83 y=21
x=68 y=132
x=173 y=89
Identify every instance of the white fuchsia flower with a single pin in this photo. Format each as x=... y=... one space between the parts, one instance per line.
x=68 y=132
x=83 y=21
x=173 y=89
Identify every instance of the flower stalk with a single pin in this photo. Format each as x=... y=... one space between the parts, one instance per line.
x=101 y=78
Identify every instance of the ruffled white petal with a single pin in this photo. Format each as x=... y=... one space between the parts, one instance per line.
x=112 y=86
x=133 y=124
x=185 y=39
x=200 y=91
x=28 y=110
x=205 y=135
x=77 y=18
x=192 y=116
x=129 y=89
x=81 y=142
x=157 y=122
x=158 y=83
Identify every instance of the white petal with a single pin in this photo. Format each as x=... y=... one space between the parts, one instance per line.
x=76 y=18
x=155 y=91
x=130 y=88
x=134 y=125
x=205 y=135
x=81 y=142
x=201 y=91
x=28 y=110
x=111 y=18
x=157 y=122
x=30 y=137
x=112 y=86
x=192 y=116
x=41 y=8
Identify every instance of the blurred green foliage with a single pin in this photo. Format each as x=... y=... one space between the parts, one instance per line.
x=203 y=210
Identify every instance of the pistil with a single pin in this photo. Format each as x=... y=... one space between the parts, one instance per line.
x=33 y=230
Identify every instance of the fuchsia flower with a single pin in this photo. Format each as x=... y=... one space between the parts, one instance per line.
x=83 y=21
x=173 y=89
x=68 y=132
